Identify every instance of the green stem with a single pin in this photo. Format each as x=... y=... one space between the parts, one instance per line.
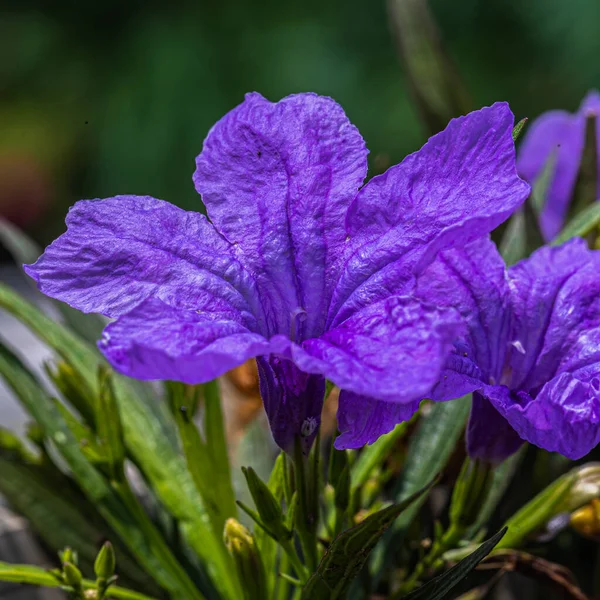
x=155 y=539
x=300 y=569
x=449 y=540
x=306 y=524
x=30 y=575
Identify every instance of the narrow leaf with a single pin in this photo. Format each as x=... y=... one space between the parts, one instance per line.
x=148 y=437
x=349 y=551
x=146 y=544
x=438 y=90
x=581 y=225
x=518 y=129
x=538 y=511
x=503 y=475
x=214 y=427
x=108 y=426
x=437 y=588
x=586 y=188
x=430 y=450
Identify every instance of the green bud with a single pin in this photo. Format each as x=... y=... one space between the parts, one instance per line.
x=105 y=563
x=68 y=555
x=242 y=546
x=560 y=497
x=585 y=488
x=586 y=187
x=73 y=576
x=268 y=508
x=518 y=128
x=470 y=491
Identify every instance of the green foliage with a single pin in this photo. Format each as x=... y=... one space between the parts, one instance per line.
x=349 y=551
x=438 y=588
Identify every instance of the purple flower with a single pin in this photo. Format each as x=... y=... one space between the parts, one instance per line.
x=562 y=133
x=296 y=266
x=531 y=350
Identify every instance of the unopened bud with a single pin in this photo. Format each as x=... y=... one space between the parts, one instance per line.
x=242 y=546
x=470 y=491
x=73 y=576
x=586 y=520
x=68 y=555
x=105 y=563
x=267 y=506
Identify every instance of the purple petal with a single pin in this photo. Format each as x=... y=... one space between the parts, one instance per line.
x=564 y=417
x=489 y=435
x=556 y=308
x=120 y=251
x=363 y=420
x=293 y=402
x=473 y=281
x=561 y=133
x=393 y=350
x=157 y=341
x=277 y=180
x=458 y=187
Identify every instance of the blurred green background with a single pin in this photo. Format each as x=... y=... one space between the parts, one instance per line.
x=100 y=98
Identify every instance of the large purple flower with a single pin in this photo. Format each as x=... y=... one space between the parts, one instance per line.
x=531 y=351
x=561 y=133
x=296 y=266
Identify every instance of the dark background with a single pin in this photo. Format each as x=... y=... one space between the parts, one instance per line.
x=108 y=97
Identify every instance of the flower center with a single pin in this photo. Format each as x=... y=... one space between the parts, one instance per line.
x=298 y=317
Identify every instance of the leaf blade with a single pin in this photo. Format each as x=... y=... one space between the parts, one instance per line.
x=438 y=587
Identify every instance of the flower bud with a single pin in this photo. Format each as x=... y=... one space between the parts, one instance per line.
x=267 y=506
x=105 y=563
x=586 y=520
x=469 y=493
x=73 y=576
x=242 y=546
x=68 y=555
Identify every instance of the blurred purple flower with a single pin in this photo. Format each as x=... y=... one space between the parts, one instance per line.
x=531 y=351
x=564 y=133
x=296 y=266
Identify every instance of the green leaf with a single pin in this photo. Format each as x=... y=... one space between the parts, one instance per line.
x=147 y=436
x=581 y=225
x=513 y=245
x=30 y=575
x=430 y=449
x=437 y=588
x=199 y=458
x=586 y=187
x=218 y=451
x=52 y=507
x=145 y=543
x=269 y=508
x=108 y=426
x=349 y=552
x=518 y=129
x=267 y=547
x=538 y=511
x=437 y=88
x=523 y=235
x=503 y=475
x=539 y=190
x=373 y=456
x=24 y=250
